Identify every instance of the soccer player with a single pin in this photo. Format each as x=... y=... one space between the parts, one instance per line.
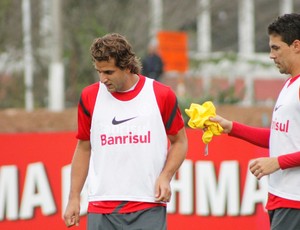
x=125 y=122
x=283 y=137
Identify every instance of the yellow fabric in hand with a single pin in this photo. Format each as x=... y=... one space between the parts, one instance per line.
x=199 y=118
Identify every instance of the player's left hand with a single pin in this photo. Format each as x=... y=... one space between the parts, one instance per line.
x=264 y=166
x=162 y=189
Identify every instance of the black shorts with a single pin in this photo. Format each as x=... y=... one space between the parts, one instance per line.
x=285 y=219
x=148 y=219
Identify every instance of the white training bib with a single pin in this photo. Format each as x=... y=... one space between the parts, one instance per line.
x=129 y=147
x=285 y=139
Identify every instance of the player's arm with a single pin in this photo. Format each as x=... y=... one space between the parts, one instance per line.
x=266 y=165
x=176 y=155
x=174 y=125
x=79 y=171
x=289 y=160
x=253 y=135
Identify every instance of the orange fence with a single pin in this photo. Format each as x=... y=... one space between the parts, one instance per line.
x=173 y=48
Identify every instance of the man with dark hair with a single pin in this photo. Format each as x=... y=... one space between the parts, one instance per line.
x=283 y=137
x=153 y=66
x=124 y=123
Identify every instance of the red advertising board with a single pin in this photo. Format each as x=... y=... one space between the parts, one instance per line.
x=209 y=192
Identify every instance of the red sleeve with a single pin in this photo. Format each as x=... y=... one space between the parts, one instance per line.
x=260 y=137
x=253 y=135
x=85 y=111
x=168 y=105
x=289 y=160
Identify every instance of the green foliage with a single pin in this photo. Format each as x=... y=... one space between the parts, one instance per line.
x=12 y=91
x=227 y=96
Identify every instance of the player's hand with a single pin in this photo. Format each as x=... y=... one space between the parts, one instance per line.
x=225 y=124
x=162 y=189
x=71 y=216
x=264 y=166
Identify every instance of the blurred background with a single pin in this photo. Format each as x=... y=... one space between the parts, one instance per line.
x=45 y=60
x=211 y=49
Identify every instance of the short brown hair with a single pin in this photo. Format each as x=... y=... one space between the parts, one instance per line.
x=117 y=47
